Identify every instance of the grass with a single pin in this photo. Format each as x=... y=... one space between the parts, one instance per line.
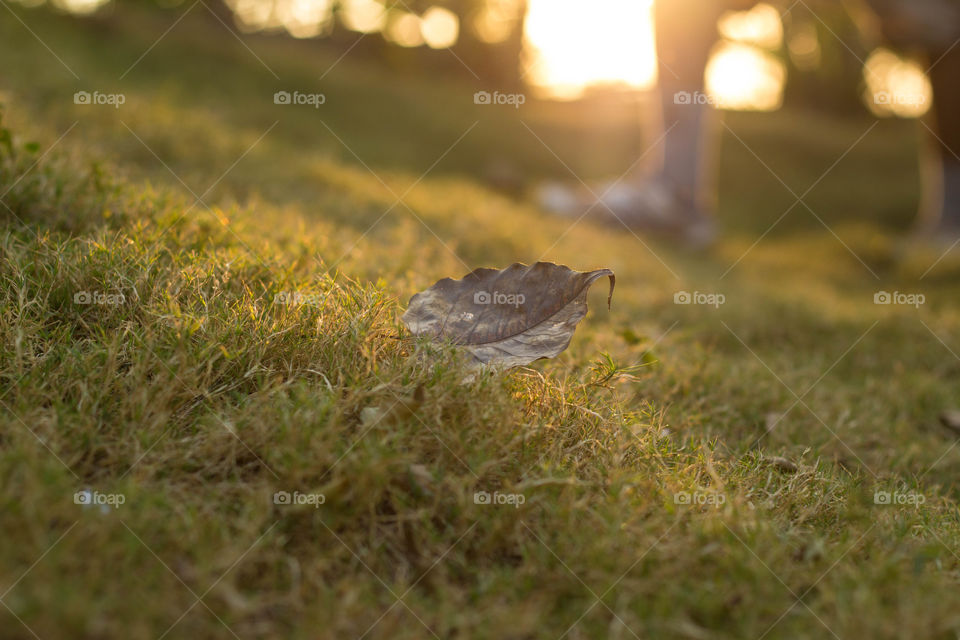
x=198 y=395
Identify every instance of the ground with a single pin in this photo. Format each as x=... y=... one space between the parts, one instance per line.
x=688 y=471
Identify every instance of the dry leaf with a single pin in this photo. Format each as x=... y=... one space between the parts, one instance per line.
x=507 y=317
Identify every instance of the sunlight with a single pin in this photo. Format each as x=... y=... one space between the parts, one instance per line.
x=80 y=7
x=612 y=43
x=804 y=47
x=761 y=26
x=743 y=78
x=496 y=20
x=253 y=15
x=440 y=28
x=573 y=45
x=896 y=86
x=364 y=16
x=305 y=18
x=404 y=30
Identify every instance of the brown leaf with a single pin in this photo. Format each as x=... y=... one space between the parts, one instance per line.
x=508 y=317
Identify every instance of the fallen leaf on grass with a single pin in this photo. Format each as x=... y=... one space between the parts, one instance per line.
x=507 y=317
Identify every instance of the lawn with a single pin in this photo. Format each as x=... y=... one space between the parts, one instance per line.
x=768 y=467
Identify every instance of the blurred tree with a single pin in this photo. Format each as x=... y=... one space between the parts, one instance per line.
x=824 y=50
x=487 y=42
x=491 y=39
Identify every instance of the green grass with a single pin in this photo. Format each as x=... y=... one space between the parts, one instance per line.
x=198 y=396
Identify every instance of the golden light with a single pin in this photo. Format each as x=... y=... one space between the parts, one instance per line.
x=741 y=77
x=804 y=47
x=404 y=30
x=253 y=15
x=496 y=20
x=896 y=86
x=440 y=28
x=365 y=16
x=305 y=18
x=761 y=26
x=80 y=7
x=574 y=44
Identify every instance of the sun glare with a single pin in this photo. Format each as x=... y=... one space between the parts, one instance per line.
x=761 y=26
x=80 y=7
x=896 y=86
x=742 y=78
x=573 y=45
x=440 y=28
x=363 y=16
